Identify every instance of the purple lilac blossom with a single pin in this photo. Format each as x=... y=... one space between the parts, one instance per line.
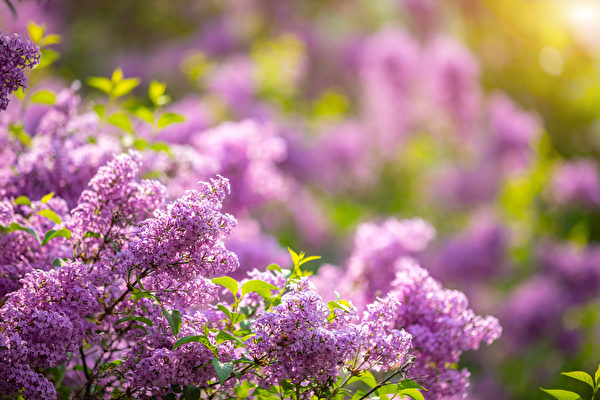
x=247 y=154
x=297 y=342
x=442 y=327
x=513 y=132
x=389 y=68
x=16 y=54
x=577 y=182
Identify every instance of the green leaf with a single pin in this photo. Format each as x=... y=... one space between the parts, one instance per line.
x=16 y=227
x=18 y=131
x=597 y=376
x=580 y=376
x=191 y=392
x=91 y=234
x=359 y=394
x=367 y=378
x=295 y=256
x=562 y=394
x=409 y=384
x=100 y=109
x=413 y=394
x=144 y=113
x=193 y=339
x=174 y=319
x=36 y=32
x=48 y=58
x=51 y=39
x=47 y=197
x=227 y=282
x=274 y=267
x=120 y=120
x=51 y=234
x=224 y=337
x=51 y=215
x=161 y=146
x=135 y=318
x=261 y=287
x=23 y=201
x=44 y=97
x=101 y=83
x=117 y=75
x=169 y=118
x=155 y=91
x=110 y=365
x=124 y=87
x=58 y=262
x=223 y=370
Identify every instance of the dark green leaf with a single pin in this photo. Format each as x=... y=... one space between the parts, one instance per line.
x=193 y=339
x=223 y=370
x=174 y=319
x=51 y=234
x=134 y=318
x=224 y=337
x=191 y=392
x=16 y=227
x=92 y=234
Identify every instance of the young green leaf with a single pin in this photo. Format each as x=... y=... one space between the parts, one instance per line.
x=173 y=318
x=135 y=318
x=145 y=114
x=100 y=110
x=51 y=215
x=155 y=91
x=562 y=394
x=117 y=75
x=597 y=377
x=101 y=83
x=169 y=118
x=193 y=339
x=120 y=120
x=124 y=87
x=227 y=282
x=224 y=337
x=23 y=201
x=413 y=394
x=580 y=376
x=223 y=370
x=51 y=39
x=92 y=234
x=261 y=287
x=16 y=227
x=48 y=58
x=47 y=197
x=367 y=378
x=36 y=32
x=44 y=97
x=51 y=234
x=274 y=267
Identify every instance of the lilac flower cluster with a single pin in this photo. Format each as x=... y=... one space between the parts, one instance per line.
x=16 y=54
x=297 y=342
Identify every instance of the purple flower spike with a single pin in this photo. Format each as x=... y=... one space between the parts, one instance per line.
x=16 y=54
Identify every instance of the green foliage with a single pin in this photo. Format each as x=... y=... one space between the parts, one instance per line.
x=44 y=97
x=51 y=215
x=581 y=376
x=51 y=234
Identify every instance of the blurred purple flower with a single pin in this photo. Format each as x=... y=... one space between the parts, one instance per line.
x=577 y=183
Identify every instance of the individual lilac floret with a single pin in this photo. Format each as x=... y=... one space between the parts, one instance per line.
x=577 y=183
x=442 y=328
x=16 y=54
x=186 y=239
x=297 y=343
